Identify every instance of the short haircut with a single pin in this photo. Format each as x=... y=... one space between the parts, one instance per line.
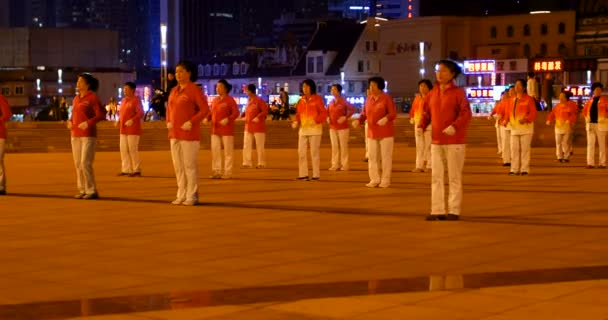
x=338 y=87
x=568 y=94
x=379 y=81
x=596 y=85
x=523 y=83
x=227 y=85
x=427 y=82
x=90 y=80
x=190 y=67
x=131 y=85
x=530 y=74
x=452 y=66
x=311 y=84
x=251 y=88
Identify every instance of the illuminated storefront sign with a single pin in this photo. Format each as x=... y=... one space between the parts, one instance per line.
x=479 y=66
x=354 y=100
x=579 y=91
x=480 y=93
x=555 y=65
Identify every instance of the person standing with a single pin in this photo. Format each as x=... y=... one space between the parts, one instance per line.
x=448 y=109
x=130 y=113
x=595 y=113
x=422 y=136
x=521 y=113
x=255 y=128
x=531 y=87
x=340 y=112
x=310 y=115
x=5 y=115
x=86 y=113
x=223 y=113
x=63 y=109
x=496 y=111
x=564 y=115
x=380 y=113
x=186 y=108
x=547 y=91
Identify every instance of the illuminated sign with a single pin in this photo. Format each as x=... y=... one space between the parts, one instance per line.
x=479 y=66
x=555 y=65
x=579 y=91
x=480 y=93
x=354 y=100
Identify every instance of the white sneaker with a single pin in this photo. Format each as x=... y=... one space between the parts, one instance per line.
x=372 y=184
x=190 y=203
x=177 y=201
x=332 y=169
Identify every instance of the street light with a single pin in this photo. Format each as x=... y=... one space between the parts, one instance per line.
x=163 y=56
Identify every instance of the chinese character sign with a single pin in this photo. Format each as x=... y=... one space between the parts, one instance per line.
x=480 y=93
x=548 y=66
x=479 y=66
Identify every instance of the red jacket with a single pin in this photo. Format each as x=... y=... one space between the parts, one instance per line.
x=130 y=109
x=564 y=115
x=187 y=104
x=86 y=109
x=602 y=113
x=311 y=113
x=5 y=115
x=223 y=107
x=444 y=109
x=526 y=110
x=375 y=109
x=337 y=108
x=256 y=109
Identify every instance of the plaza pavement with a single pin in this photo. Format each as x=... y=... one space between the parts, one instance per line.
x=263 y=246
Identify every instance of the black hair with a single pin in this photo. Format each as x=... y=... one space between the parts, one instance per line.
x=338 y=87
x=311 y=84
x=530 y=74
x=251 y=88
x=227 y=85
x=568 y=94
x=427 y=82
x=596 y=85
x=190 y=67
x=131 y=85
x=90 y=80
x=523 y=83
x=452 y=66
x=379 y=81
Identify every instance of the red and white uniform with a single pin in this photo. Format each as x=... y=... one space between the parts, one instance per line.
x=422 y=136
x=564 y=116
x=496 y=111
x=518 y=109
x=86 y=113
x=131 y=113
x=596 y=130
x=339 y=112
x=5 y=115
x=255 y=128
x=310 y=114
x=186 y=104
x=223 y=108
x=444 y=109
x=380 y=113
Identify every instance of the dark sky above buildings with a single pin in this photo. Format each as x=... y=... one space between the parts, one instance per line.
x=491 y=7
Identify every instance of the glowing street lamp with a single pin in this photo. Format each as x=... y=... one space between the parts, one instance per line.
x=163 y=56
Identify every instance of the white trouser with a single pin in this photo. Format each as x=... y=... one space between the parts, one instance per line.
x=260 y=138
x=563 y=145
x=594 y=134
x=216 y=154
x=366 y=142
x=315 y=144
x=423 y=149
x=506 y=144
x=83 y=150
x=499 y=138
x=129 y=153
x=2 y=175
x=380 y=150
x=520 y=152
x=339 y=148
x=451 y=155
x=184 y=154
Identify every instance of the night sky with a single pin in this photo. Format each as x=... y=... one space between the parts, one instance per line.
x=491 y=7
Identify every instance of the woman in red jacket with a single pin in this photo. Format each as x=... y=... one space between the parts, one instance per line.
x=5 y=115
x=423 y=136
x=223 y=113
x=86 y=113
x=310 y=115
x=339 y=112
x=255 y=128
x=130 y=114
x=186 y=108
x=448 y=109
x=380 y=112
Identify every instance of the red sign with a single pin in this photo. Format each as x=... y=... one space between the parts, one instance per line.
x=555 y=65
x=582 y=91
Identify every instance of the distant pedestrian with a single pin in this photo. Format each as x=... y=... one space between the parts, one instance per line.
x=131 y=114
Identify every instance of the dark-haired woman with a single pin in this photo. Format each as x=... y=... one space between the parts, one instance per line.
x=131 y=113
x=186 y=108
x=255 y=128
x=310 y=115
x=423 y=136
x=223 y=113
x=448 y=109
x=86 y=113
x=340 y=112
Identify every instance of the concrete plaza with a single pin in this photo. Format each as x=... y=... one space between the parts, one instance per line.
x=263 y=246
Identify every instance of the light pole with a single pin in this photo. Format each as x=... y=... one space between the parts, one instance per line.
x=163 y=57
